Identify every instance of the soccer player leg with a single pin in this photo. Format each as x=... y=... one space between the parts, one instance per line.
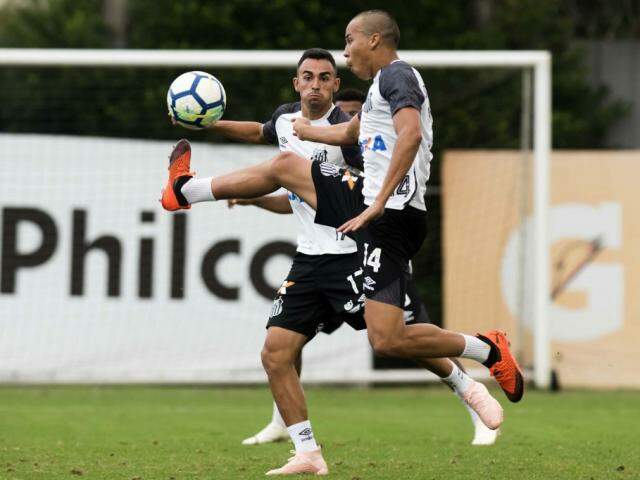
x=296 y=315
x=281 y=350
x=286 y=170
x=450 y=370
x=391 y=337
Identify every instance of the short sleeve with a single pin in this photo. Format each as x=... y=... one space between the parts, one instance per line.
x=399 y=86
x=352 y=154
x=269 y=127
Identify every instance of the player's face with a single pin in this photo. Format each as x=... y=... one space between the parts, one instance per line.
x=351 y=107
x=357 y=50
x=316 y=83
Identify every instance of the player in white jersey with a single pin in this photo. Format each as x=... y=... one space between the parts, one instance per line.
x=312 y=241
x=337 y=196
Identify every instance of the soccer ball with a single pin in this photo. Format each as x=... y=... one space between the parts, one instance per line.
x=196 y=100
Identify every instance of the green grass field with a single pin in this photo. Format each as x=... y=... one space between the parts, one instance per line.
x=417 y=433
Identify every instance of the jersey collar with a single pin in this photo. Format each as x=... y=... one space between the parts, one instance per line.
x=377 y=77
x=326 y=115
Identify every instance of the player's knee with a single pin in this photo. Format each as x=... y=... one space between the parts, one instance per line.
x=273 y=361
x=281 y=164
x=384 y=347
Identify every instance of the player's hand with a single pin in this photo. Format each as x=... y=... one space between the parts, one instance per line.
x=374 y=211
x=299 y=126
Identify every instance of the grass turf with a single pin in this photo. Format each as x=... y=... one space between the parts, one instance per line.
x=419 y=433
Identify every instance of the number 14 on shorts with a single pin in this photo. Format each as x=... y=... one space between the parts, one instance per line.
x=373 y=259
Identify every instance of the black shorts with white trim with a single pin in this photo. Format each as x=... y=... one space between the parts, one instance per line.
x=386 y=246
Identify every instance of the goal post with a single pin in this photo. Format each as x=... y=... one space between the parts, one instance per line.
x=539 y=62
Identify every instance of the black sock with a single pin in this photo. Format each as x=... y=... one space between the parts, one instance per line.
x=494 y=353
x=177 y=189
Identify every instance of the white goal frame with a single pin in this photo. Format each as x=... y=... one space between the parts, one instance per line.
x=538 y=61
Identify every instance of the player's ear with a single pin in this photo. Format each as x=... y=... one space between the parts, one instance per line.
x=374 y=41
x=295 y=84
x=336 y=84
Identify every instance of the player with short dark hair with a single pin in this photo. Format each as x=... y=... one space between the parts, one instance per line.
x=350 y=100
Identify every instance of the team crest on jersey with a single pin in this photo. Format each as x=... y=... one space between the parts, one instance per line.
x=350 y=178
x=283 y=140
x=329 y=169
x=375 y=144
x=319 y=155
x=283 y=288
x=351 y=307
x=276 y=308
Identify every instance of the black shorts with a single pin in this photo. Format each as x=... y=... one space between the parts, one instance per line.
x=320 y=293
x=387 y=244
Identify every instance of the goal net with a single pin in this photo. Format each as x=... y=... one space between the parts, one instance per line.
x=99 y=284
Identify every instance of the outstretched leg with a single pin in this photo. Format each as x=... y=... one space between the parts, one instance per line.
x=286 y=170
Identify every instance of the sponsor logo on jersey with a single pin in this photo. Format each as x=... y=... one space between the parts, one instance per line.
x=283 y=288
x=329 y=169
x=350 y=179
x=375 y=144
x=276 y=308
x=368 y=283
x=320 y=327
x=283 y=140
x=319 y=155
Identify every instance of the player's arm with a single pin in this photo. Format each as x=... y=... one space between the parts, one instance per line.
x=406 y=123
x=253 y=132
x=272 y=203
x=249 y=132
x=345 y=133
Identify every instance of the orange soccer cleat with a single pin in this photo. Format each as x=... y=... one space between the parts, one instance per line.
x=303 y=462
x=179 y=165
x=505 y=369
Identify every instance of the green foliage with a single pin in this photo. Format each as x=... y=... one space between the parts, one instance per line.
x=53 y=24
x=479 y=108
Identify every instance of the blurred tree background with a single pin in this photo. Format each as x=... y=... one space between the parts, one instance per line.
x=471 y=108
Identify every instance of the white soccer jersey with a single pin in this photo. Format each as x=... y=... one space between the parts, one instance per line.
x=395 y=86
x=313 y=239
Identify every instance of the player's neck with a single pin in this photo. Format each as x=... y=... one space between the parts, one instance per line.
x=315 y=114
x=383 y=59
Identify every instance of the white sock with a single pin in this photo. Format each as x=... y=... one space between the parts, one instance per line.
x=458 y=380
x=302 y=436
x=276 y=418
x=198 y=190
x=475 y=349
